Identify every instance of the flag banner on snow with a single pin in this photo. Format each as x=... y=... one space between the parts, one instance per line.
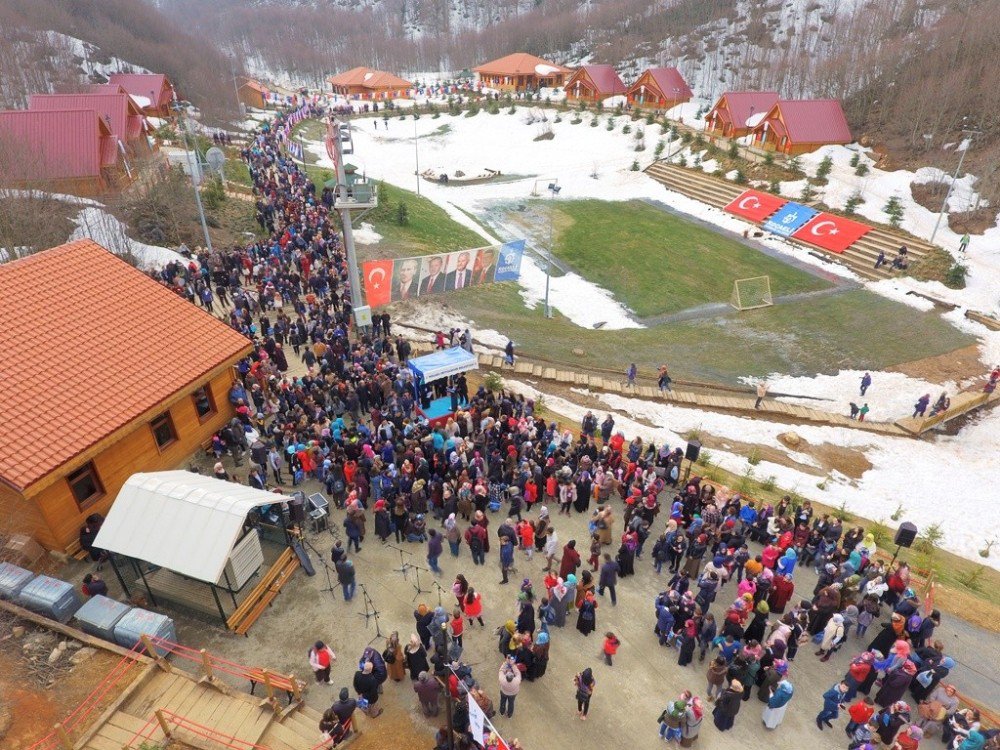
x=391 y=280
x=833 y=233
x=294 y=150
x=789 y=218
x=755 y=205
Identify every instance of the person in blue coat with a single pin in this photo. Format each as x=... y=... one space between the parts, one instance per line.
x=833 y=701
x=786 y=564
x=781 y=694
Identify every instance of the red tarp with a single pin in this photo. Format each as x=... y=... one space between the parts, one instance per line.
x=833 y=233
x=755 y=205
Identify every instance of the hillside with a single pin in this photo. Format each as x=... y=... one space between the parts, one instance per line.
x=50 y=43
x=905 y=68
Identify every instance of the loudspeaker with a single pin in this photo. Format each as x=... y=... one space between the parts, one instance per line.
x=693 y=450
x=906 y=534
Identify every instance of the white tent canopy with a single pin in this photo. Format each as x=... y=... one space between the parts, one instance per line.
x=184 y=522
x=443 y=363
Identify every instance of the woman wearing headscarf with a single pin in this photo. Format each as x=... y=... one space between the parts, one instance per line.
x=453 y=534
x=393 y=657
x=758 y=625
x=936 y=708
x=727 y=706
x=559 y=602
x=540 y=657
x=585 y=684
x=688 y=639
x=586 y=586
x=415 y=656
x=832 y=634
x=893 y=631
x=777 y=703
x=692 y=722
x=894 y=684
x=586 y=620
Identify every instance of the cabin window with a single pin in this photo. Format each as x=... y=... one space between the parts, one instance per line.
x=85 y=485
x=163 y=430
x=203 y=403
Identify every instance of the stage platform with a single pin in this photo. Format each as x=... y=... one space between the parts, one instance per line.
x=438 y=411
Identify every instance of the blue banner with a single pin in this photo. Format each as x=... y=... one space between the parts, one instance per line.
x=789 y=219
x=509 y=262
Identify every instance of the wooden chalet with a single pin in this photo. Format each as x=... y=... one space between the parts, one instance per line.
x=107 y=373
x=594 y=83
x=521 y=72
x=736 y=112
x=659 y=88
x=118 y=110
x=367 y=83
x=252 y=93
x=66 y=151
x=798 y=126
x=152 y=91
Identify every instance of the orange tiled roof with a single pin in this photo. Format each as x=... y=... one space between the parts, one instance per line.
x=87 y=344
x=369 y=78
x=519 y=64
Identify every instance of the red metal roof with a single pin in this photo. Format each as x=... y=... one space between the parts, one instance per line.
x=519 y=64
x=63 y=144
x=670 y=82
x=605 y=77
x=119 y=110
x=812 y=120
x=744 y=104
x=153 y=86
x=89 y=344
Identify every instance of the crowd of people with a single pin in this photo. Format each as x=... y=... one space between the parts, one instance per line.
x=497 y=479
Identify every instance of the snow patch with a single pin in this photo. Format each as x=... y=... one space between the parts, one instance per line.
x=104 y=229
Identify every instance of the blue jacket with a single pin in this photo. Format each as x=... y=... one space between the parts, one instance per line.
x=832 y=699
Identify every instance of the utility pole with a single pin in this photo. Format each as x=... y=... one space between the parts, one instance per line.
x=944 y=206
x=553 y=191
x=416 y=148
x=362 y=314
x=239 y=104
x=182 y=122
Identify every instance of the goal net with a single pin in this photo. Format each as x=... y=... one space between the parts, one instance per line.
x=749 y=294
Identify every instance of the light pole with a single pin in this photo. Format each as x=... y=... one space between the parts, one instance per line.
x=182 y=118
x=971 y=134
x=416 y=150
x=553 y=191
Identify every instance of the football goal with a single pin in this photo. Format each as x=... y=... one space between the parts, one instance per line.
x=749 y=294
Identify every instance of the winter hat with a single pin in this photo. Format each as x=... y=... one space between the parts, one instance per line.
x=542 y=638
x=838 y=618
x=948 y=663
x=915 y=732
x=781 y=667
x=762 y=607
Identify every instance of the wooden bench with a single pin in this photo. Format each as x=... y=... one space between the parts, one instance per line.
x=76 y=551
x=275 y=682
x=261 y=596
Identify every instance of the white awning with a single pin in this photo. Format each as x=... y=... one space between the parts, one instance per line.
x=184 y=522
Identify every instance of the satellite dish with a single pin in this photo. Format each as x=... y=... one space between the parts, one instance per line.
x=215 y=157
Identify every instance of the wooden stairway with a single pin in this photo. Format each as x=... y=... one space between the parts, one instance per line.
x=860 y=257
x=296 y=730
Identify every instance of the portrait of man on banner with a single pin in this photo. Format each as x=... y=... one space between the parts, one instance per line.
x=432 y=275
x=404 y=279
x=485 y=266
x=460 y=265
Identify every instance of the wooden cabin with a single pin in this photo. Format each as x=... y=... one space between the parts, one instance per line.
x=153 y=92
x=252 y=93
x=798 y=126
x=369 y=84
x=118 y=110
x=107 y=373
x=594 y=83
x=659 y=88
x=64 y=151
x=521 y=72
x=736 y=112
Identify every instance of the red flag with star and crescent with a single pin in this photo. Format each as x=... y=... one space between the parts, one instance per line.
x=833 y=233
x=378 y=282
x=755 y=205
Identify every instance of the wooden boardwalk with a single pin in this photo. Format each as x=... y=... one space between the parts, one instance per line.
x=722 y=401
x=194 y=708
x=961 y=404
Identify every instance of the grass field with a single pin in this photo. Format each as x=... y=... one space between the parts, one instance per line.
x=658 y=263
x=855 y=329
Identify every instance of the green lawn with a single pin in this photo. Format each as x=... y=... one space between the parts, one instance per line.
x=659 y=263
x=856 y=329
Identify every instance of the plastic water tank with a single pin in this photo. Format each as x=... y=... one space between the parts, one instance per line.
x=12 y=580
x=50 y=597
x=140 y=622
x=99 y=615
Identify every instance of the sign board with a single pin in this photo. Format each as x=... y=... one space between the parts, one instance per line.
x=363 y=316
x=790 y=218
x=477 y=720
x=215 y=157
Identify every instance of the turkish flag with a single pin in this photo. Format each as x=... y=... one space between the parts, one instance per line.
x=755 y=205
x=833 y=233
x=378 y=282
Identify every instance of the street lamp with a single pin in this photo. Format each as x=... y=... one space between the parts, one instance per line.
x=182 y=121
x=944 y=205
x=416 y=148
x=553 y=192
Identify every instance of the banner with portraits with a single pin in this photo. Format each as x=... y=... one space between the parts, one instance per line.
x=393 y=280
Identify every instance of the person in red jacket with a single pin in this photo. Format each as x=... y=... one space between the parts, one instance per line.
x=860 y=712
x=610 y=647
x=570 y=559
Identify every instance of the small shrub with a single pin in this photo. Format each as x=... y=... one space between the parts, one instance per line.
x=795 y=164
x=769 y=483
x=705 y=458
x=650 y=119
x=682 y=160
x=754 y=458
x=855 y=160
x=880 y=532
x=972 y=578
x=954 y=278
x=842 y=514
x=685 y=137
x=894 y=210
x=985 y=551
x=512 y=110
x=808 y=192
x=610 y=126
x=823 y=170
x=739 y=178
x=402 y=214
x=658 y=150
x=851 y=204
x=746 y=482
x=898 y=513
x=575 y=121
x=626 y=129
x=618 y=109
x=774 y=186
x=861 y=170
x=594 y=123
x=493 y=382
x=557 y=118
x=213 y=194
x=734 y=150
x=635 y=165
x=930 y=539
x=472 y=111
x=769 y=159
